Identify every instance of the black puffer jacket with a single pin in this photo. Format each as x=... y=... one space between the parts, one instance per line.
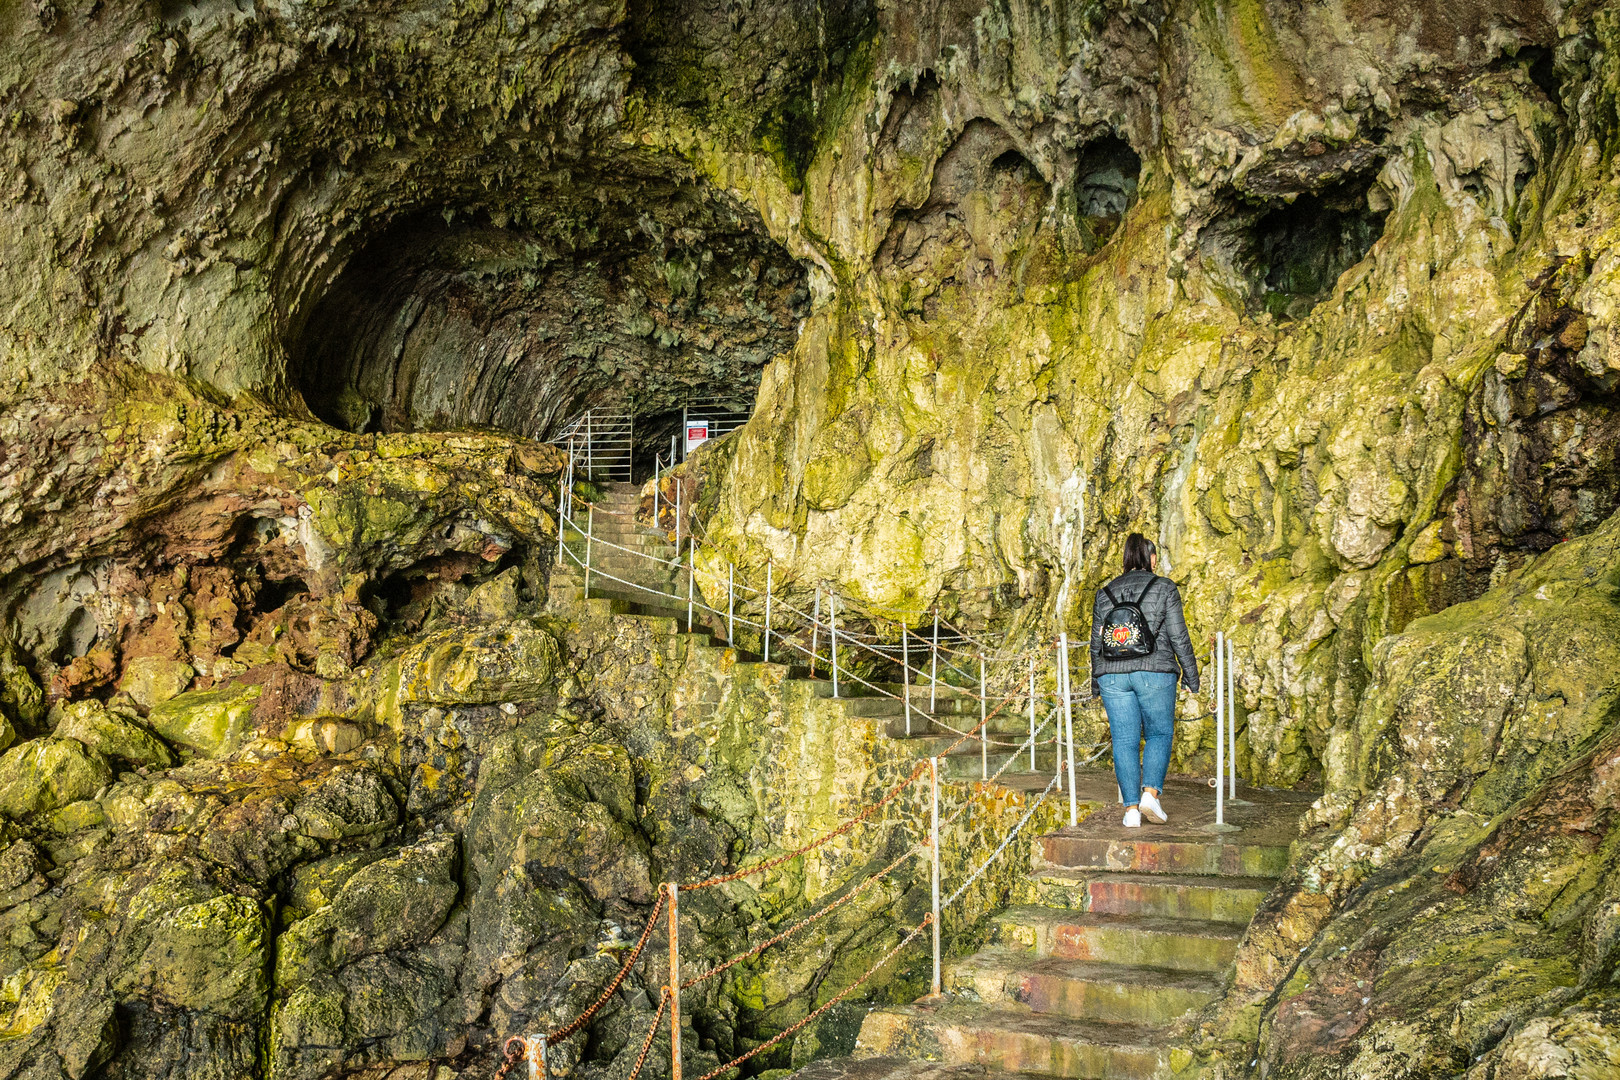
x=1172 y=645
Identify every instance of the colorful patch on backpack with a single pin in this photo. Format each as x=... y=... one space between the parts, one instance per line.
x=1122 y=634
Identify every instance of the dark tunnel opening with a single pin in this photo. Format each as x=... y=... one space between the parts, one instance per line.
x=676 y=296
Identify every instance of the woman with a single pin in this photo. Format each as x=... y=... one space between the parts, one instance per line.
x=1139 y=650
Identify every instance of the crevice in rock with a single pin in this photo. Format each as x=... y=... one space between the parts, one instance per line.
x=1291 y=255
x=980 y=217
x=1107 y=172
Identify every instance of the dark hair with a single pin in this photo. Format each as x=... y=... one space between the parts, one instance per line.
x=1139 y=552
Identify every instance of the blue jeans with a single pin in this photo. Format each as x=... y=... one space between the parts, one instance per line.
x=1141 y=707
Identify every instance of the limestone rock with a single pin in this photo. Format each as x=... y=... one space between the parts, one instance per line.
x=207 y=723
x=42 y=775
x=112 y=734
x=387 y=905
x=151 y=680
x=509 y=662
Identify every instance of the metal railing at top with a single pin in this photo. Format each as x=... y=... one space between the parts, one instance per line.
x=600 y=443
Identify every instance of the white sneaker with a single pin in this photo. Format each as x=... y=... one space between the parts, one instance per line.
x=1133 y=818
x=1151 y=807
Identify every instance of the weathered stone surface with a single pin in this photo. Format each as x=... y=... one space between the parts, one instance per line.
x=207 y=723
x=42 y=775
x=113 y=734
x=1335 y=323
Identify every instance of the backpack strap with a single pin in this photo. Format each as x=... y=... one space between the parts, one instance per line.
x=1152 y=581
x=1112 y=599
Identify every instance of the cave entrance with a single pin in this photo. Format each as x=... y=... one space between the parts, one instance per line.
x=632 y=299
x=1297 y=252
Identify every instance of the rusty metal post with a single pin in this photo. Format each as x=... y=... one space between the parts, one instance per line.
x=674 y=983
x=933 y=844
x=768 y=580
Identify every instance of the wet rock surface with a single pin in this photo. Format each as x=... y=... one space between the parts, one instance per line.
x=299 y=779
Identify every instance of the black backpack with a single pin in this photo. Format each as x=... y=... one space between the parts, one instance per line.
x=1126 y=634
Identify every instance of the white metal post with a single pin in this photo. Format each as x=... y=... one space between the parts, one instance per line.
x=1032 y=712
x=905 y=671
x=678 y=486
x=731 y=606
x=691 y=577
x=590 y=527
x=590 y=460
x=683 y=432
x=1231 y=715
x=768 y=568
x=1068 y=722
x=562 y=531
x=673 y=439
x=984 y=727
x=933 y=669
x=815 y=632
x=832 y=631
x=933 y=847
x=1220 y=724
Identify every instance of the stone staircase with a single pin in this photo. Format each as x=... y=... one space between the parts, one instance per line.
x=1134 y=929
x=619 y=546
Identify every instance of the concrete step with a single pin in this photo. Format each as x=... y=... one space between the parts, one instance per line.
x=1009 y=1039
x=1080 y=988
x=1130 y=940
x=1064 y=850
x=1212 y=899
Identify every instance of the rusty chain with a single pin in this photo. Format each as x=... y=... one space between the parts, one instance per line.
x=835 y=999
x=512 y=1056
x=585 y=1017
x=801 y=924
x=652 y=1033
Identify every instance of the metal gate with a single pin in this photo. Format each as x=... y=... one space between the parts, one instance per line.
x=601 y=444
x=706 y=419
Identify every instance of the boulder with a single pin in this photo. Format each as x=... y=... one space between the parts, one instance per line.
x=45 y=774
x=152 y=680
x=113 y=734
x=207 y=723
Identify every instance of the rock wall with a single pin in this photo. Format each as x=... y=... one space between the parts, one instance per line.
x=1322 y=297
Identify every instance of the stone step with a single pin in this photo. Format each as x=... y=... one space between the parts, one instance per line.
x=871 y=706
x=1212 y=899
x=1131 y=940
x=1184 y=855
x=1008 y=1039
x=924 y=724
x=1080 y=988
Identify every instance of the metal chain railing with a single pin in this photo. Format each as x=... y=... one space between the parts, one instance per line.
x=667 y=903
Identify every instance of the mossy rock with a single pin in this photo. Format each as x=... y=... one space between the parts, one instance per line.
x=207 y=723
x=113 y=734
x=512 y=662
x=46 y=774
x=209 y=956
x=152 y=680
x=391 y=904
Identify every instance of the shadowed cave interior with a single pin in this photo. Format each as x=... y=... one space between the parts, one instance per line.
x=668 y=293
